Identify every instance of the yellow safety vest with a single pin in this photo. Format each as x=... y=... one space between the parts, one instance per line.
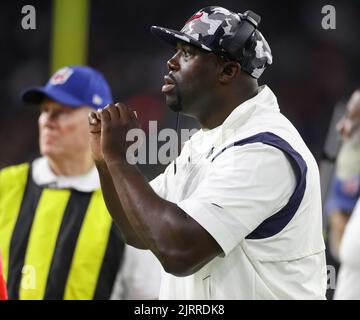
x=55 y=243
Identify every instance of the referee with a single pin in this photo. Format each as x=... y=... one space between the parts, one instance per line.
x=56 y=236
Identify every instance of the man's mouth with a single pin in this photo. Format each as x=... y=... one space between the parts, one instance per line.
x=168 y=86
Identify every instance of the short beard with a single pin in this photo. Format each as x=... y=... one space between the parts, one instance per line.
x=176 y=105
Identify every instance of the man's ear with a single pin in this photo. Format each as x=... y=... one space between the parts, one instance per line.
x=229 y=71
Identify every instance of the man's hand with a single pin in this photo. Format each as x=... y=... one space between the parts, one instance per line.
x=116 y=121
x=350 y=122
x=95 y=136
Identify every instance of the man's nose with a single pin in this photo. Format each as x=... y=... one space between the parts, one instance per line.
x=173 y=63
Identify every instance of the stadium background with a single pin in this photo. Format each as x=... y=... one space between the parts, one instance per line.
x=313 y=68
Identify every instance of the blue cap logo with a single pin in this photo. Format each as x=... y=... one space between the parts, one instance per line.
x=61 y=76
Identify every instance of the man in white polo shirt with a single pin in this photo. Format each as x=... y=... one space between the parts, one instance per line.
x=238 y=216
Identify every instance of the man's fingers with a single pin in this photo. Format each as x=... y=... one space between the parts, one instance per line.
x=133 y=114
x=97 y=115
x=104 y=115
x=127 y=113
x=124 y=112
x=93 y=120
x=113 y=112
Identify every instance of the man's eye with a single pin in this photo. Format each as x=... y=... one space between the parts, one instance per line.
x=186 y=52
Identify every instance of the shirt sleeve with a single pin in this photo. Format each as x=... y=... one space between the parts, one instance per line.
x=139 y=276
x=242 y=187
x=159 y=184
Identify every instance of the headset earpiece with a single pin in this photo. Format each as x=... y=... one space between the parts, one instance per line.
x=234 y=45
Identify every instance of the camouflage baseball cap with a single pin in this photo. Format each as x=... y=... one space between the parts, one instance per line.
x=215 y=29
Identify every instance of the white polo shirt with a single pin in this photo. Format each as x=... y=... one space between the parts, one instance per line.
x=254 y=186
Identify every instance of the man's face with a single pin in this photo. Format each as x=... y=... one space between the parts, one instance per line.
x=191 y=80
x=350 y=122
x=63 y=130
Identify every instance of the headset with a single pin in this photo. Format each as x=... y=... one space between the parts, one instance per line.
x=234 y=45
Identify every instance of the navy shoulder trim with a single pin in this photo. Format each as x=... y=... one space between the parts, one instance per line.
x=279 y=220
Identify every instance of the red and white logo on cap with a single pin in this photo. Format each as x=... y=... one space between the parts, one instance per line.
x=194 y=17
x=61 y=76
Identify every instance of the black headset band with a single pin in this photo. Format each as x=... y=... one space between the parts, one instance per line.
x=248 y=24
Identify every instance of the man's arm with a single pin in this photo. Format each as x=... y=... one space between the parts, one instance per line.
x=109 y=193
x=179 y=242
x=115 y=209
